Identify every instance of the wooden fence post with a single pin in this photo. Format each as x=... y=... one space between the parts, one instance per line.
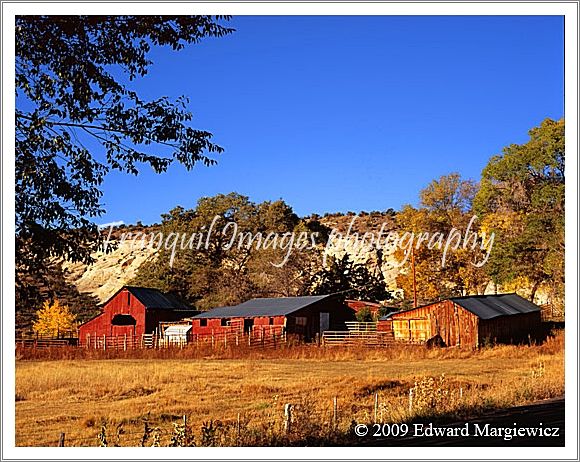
x=125 y=343
x=61 y=440
x=88 y=340
x=410 y=400
x=376 y=406
x=335 y=412
x=287 y=417
x=104 y=341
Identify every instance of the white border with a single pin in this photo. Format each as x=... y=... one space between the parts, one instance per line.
x=569 y=10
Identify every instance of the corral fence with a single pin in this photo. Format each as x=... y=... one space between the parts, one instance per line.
x=259 y=337
x=357 y=334
x=46 y=342
x=552 y=312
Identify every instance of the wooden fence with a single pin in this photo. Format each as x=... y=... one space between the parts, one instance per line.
x=259 y=336
x=119 y=342
x=357 y=334
x=45 y=342
x=349 y=338
x=552 y=312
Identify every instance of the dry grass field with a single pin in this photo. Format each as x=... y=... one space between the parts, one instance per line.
x=234 y=401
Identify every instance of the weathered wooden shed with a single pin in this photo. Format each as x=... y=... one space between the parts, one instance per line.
x=304 y=316
x=134 y=311
x=467 y=321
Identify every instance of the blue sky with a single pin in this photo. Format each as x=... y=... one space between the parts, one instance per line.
x=348 y=113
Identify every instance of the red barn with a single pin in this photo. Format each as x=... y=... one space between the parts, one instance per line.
x=467 y=321
x=304 y=316
x=134 y=311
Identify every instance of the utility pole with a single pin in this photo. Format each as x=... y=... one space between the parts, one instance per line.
x=414 y=278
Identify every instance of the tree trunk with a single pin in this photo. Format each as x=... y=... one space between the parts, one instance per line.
x=535 y=288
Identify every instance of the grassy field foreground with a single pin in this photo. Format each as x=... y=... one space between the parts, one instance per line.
x=241 y=401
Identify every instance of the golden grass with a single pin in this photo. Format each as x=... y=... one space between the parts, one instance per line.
x=76 y=396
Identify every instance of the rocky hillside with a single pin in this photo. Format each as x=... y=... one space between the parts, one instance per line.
x=116 y=268
x=110 y=270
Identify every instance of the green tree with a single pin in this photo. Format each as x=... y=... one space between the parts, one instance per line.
x=232 y=264
x=521 y=199
x=342 y=275
x=365 y=315
x=77 y=118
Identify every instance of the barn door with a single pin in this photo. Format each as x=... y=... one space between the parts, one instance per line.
x=324 y=322
x=419 y=329
x=123 y=324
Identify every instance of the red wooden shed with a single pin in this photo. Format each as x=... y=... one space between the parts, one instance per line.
x=303 y=316
x=134 y=311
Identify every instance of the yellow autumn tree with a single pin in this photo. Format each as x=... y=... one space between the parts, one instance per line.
x=54 y=319
x=445 y=205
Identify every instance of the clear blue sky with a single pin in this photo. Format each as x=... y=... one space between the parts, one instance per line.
x=349 y=113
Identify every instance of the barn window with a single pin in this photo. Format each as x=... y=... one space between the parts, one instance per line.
x=202 y=322
x=128 y=298
x=300 y=320
x=224 y=322
x=271 y=321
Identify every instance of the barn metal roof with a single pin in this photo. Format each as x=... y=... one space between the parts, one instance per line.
x=485 y=306
x=263 y=307
x=493 y=306
x=154 y=298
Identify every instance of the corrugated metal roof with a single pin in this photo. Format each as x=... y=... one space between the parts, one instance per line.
x=154 y=298
x=485 y=306
x=493 y=306
x=263 y=307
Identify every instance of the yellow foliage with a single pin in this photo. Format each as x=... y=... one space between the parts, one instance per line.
x=54 y=319
x=508 y=222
